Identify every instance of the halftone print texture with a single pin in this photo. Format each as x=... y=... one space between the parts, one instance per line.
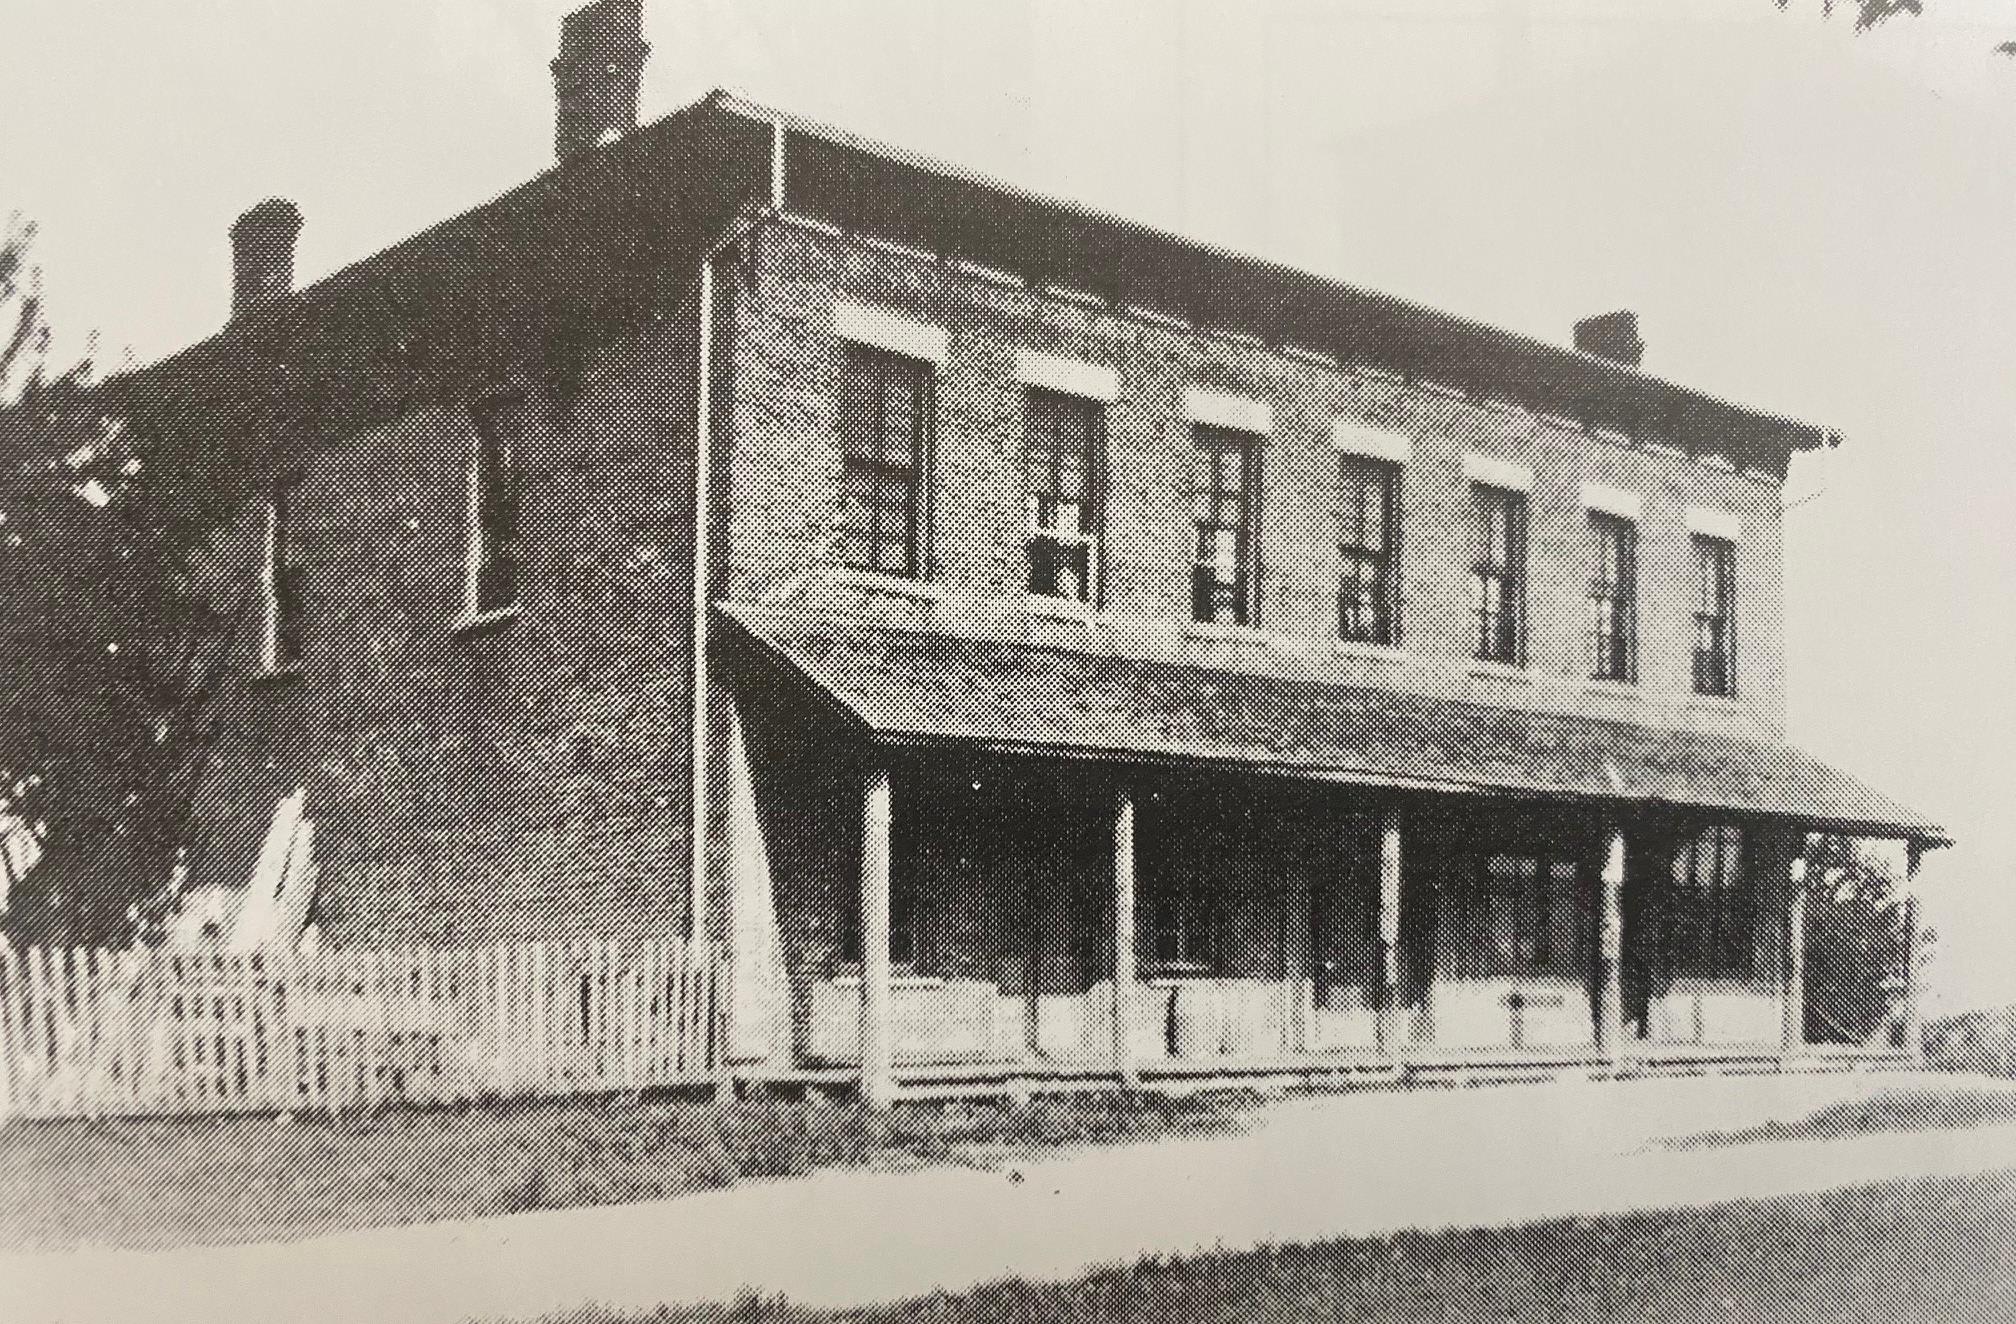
x=794 y=655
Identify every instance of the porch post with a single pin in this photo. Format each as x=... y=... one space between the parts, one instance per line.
x=1386 y=1004
x=1123 y=941
x=1610 y=952
x=1792 y=1005
x=1914 y=1014
x=877 y=1079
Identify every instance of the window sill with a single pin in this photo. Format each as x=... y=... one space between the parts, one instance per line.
x=1244 y=634
x=1500 y=671
x=900 y=976
x=1725 y=703
x=482 y=623
x=1616 y=689
x=1371 y=652
x=1070 y=609
x=266 y=677
x=894 y=585
x=1180 y=973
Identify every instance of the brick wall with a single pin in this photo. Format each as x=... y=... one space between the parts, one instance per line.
x=785 y=494
x=521 y=781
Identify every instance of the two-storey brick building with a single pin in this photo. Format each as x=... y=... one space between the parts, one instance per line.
x=1103 y=653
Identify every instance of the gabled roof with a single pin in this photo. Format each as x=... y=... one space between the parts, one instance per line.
x=579 y=254
x=930 y=688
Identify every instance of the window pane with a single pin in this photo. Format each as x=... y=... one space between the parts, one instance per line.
x=494 y=529
x=1367 y=590
x=883 y=413
x=1223 y=511
x=1714 y=615
x=1498 y=593
x=1060 y=464
x=1613 y=598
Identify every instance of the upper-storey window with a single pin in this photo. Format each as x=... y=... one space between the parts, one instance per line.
x=1613 y=598
x=495 y=553
x=1061 y=461
x=1714 y=615
x=1368 y=544
x=282 y=576
x=1224 y=511
x=885 y=443
x=1498 y=579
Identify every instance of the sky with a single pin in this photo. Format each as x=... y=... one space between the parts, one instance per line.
x=1805 y=219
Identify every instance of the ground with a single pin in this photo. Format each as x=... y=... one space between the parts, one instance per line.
x=1937 y=1213
x=160 y=1183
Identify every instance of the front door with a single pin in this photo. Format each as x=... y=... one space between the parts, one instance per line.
x=1514 y=940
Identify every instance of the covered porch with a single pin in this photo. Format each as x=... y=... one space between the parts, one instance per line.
x=922 y=915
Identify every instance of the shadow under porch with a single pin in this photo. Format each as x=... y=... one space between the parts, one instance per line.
x=1260 y=926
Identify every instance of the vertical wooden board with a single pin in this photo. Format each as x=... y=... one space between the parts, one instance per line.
x=117 y=1001
x=717 y=1009
x=38 y=1017
x=678 y=998
x=649 y=963
x=501 y=1063
x=314 y=1029
x=612 y=1054
x=511 y=1022
x=539 y=994
x=10 y=1036
x=63 y=1019
x=98 y=1078
x=376 y=1028
x=231 y=1029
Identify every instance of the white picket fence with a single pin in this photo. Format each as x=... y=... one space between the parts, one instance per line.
x=102 y=1033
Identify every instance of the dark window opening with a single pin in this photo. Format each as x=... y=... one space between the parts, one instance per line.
x=1613 y=599
x=496 y=550
x=1186 y=931
x=285 y=580
x=1714 y=615
x=1224 y=510
x=1524 y=917
x=1711 y=914
x=1498 y=581
x=1368 y=529
x=1061 y=460
x=884 y=421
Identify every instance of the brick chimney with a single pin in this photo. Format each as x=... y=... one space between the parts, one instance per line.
x=1611 y=335
x=595 y=75
x=262 y=255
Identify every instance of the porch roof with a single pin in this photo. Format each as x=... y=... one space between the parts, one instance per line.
x=905 y=686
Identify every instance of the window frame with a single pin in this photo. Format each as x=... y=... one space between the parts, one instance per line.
x=1538 y=897
x=1710 y=929
x=281 y=581
x=1356 y=474
x=1714 y=665
x=1189 y=912
x=1505 y=643
x=1613 y=598
x=1089 y=540
x=914 y=477
x=1209 y=447
x=496 y=477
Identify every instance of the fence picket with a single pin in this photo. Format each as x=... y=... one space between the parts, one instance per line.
x=95 y=1032
x=11 y=1052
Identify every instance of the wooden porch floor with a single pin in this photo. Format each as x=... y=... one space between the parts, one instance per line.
x=1333 y=1070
